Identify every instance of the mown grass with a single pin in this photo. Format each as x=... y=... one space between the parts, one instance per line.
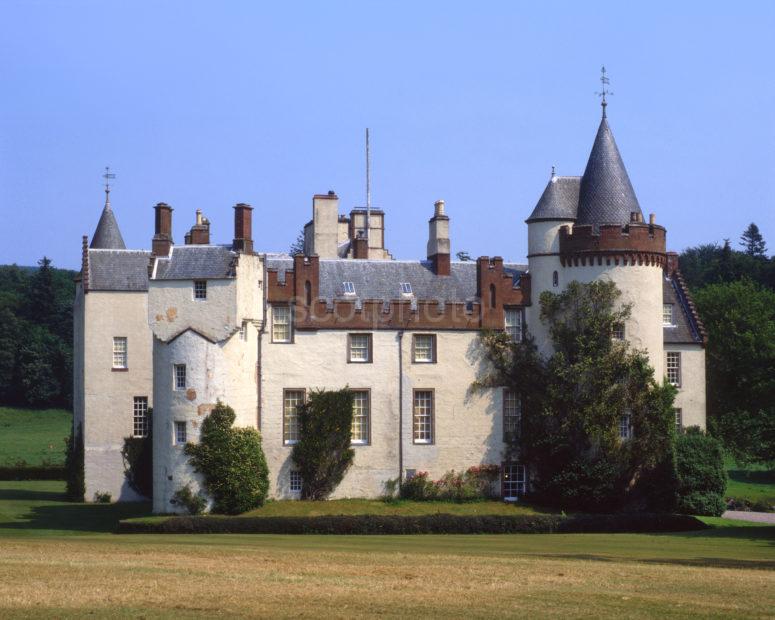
x=754 y=483
x=59 y=560
x=35 y=436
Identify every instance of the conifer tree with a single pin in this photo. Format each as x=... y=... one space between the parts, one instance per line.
x=753 y=241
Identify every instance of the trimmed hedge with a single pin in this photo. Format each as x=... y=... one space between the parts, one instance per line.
x=423 y=524
x=50 y=472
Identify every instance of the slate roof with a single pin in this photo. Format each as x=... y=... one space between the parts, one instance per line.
x=606 y=195
x=684 y=330
x=559 y=201
x=201 y=262
x=118 y=270
x=107 y=235
x=381 y=279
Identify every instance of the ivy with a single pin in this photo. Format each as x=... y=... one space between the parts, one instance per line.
x=323 y=453
x=231 y=461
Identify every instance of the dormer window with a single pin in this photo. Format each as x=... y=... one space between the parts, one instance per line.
x=667 y=314
x=406 y=288
x=348 y=288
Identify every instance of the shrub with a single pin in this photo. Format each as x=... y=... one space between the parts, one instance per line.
x=102 y=497
x=323 y=453
x=74 y=454
x=194 y=503
x=477 y=483
x=702 y=478
x=422 y=524
x=231 y=461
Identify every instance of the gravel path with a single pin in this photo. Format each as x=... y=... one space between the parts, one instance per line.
x=756 y=517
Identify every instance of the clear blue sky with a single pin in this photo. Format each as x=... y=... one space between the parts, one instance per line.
x=203 y=105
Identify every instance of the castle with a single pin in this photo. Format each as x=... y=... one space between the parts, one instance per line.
x=179 y=327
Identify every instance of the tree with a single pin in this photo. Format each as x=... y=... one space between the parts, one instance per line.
x=579 y=402
x=231 y=461
x=702 y=478
x=463 y=256
x=323 y=453
x=753 y=242
x=740 y=358
x=297 y=247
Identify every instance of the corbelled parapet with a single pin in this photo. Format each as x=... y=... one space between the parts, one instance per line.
x=636 y=243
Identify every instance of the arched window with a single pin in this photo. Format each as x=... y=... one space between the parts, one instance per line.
x=555 y=279
x=308 y=293
x=492 y=296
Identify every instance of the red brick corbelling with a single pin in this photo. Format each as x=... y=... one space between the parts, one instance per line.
x=397 y=313
x=85 y=264
x=633 y=244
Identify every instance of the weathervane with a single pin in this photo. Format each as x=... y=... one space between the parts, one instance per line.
x=108 y=175
x=604 y=90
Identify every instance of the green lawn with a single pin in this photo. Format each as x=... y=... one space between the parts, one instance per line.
x=35 y=436
x=60 y=560
x=752 y=483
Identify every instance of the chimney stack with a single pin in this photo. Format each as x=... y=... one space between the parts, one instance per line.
x=200 y=232
x=438 y=240
x=325 y=225
x=360 y=246
x=162 y=238
x=243 y=228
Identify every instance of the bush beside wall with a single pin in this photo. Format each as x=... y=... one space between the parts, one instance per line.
x=702 y=478
x=423 y=524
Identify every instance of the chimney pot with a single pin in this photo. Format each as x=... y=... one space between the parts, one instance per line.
x=652 y=219
x=439 y=204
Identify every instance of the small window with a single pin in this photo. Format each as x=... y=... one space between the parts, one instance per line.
x=359 y=348
x=424 y=349
x=513 y=323
x=200 y=289
x=674 y=368
x=617 y=332
x=291 y=401
x=180 y=376
x=514 y=482
x=667 y=314
x=625 y=426
x=119 y=352
x=180 y=433
x=361 y=417
x=348 y=288
x=423 y=416
x=281 y=324
x=555 y=279
x=295 y=481
x=140 y=416
x=406 y=288
x=512 y=413
x=679 y=420
x=243 y=331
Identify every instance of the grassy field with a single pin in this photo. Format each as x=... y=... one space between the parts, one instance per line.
x=60 y=560
x=753 y=483
x=35 y=436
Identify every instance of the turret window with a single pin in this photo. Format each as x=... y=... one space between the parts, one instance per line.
x=180 y=376
x=180 y=433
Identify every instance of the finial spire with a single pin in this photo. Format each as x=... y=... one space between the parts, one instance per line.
x=554 y=174
x=368 y=187
x=605 y=82
x=108 y=175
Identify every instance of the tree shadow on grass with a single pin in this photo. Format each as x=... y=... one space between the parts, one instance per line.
x=701 y=562
x=30 y=495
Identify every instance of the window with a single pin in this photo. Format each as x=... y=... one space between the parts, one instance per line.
x=406 y=288
x=667 y=314
x=200 y=289
x=119 y=353
x=243 y=331
x=291 y=401
x=679 y=419
x=180 y=376
x=295 y=481
x=180 y=433
x=625 y=426
x=617 y=332
x=424 y=349
x=512 y=412
x=514 y=323
x=140 y=416
x=514 y=482
x=555 y=279
x=423 y=416
x=281 y=324
x=674 y=368
x=348 y=288
x=361 y=417
x=359 y=348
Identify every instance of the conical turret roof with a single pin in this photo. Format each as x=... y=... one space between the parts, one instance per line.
x=107 y=236
x=559 y=201
x=606 y=195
